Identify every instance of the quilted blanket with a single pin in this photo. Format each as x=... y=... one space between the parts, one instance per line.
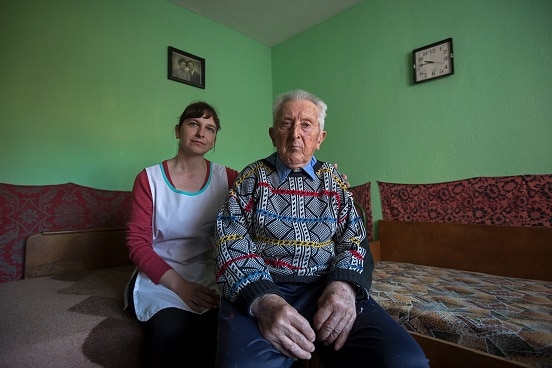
x=507 y=317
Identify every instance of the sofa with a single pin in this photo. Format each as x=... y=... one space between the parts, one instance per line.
x=64 y=266
x=63 y=269
x=465 y=267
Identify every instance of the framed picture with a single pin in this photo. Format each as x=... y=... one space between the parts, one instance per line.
x=186 y=68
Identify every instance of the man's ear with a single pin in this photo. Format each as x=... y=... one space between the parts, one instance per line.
x=321 y=138
x=271 y=134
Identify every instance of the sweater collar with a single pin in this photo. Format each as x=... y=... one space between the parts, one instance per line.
x=284 y=171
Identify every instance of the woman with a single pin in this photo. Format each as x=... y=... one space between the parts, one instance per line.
x=170 y=239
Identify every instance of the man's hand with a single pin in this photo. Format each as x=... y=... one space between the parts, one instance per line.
x=336 y=314
x=285 y=328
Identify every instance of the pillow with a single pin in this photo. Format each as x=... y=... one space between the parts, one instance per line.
x=362 y=196
x=519 y=200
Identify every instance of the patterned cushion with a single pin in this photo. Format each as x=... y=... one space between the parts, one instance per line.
x=521 y=200
x=361 y=195
x=31 y=209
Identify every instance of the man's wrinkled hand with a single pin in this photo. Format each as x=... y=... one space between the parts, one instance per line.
x=336 y=314
x=285 y=328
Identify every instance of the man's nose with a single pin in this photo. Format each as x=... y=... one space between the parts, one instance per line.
x=296 y=130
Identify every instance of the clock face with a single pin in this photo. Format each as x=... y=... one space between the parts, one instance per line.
x=433 y=61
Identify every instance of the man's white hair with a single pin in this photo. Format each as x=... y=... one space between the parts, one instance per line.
x=296 y=95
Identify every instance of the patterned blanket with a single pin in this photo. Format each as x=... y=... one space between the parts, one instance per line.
x=507 y=317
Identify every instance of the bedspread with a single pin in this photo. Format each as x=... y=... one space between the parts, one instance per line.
x=503 y=316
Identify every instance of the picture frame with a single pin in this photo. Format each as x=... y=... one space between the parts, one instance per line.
x=185 y=68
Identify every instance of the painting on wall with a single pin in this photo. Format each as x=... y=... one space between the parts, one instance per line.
x=186 y=68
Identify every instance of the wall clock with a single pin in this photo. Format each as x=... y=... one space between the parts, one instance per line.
x=433 y=61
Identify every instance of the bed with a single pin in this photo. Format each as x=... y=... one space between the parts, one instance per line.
x=472 y=294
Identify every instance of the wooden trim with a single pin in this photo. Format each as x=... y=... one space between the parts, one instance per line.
x=444 y=354
x=375 y=249
x=513 y=251
x=82 y=231
x=51 y=253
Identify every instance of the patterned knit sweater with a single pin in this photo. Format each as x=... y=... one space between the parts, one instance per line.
x=298 y=230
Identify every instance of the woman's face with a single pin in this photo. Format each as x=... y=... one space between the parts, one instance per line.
x=197 y=135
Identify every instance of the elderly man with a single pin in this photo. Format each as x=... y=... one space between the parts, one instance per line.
x=292 y=261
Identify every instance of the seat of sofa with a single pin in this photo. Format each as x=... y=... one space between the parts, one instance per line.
x=504 y=316
x=75 y=319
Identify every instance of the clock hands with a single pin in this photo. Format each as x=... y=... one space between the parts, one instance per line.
x=425 y=62
x=433 y=61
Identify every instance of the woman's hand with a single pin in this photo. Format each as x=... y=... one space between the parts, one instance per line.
x=344 y=177
x=196 y=296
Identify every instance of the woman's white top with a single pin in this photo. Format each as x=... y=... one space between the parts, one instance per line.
x=183 y=226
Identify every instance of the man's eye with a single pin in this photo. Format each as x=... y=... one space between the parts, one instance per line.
x=306 y=125
x=285 y=125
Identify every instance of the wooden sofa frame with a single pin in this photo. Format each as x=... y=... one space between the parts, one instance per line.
x=57 y=252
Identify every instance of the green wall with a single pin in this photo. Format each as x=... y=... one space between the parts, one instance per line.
x=493 y=117
x=85 y=97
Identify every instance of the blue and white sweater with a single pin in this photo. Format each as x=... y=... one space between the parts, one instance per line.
x=298 y=230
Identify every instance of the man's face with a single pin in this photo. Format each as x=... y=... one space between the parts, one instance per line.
x=297 y=133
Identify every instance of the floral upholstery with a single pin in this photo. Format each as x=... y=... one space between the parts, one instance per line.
x=361 y=196
x=31 y=209
x=521 y=200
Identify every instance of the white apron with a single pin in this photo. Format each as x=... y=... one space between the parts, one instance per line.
x=183 y=233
